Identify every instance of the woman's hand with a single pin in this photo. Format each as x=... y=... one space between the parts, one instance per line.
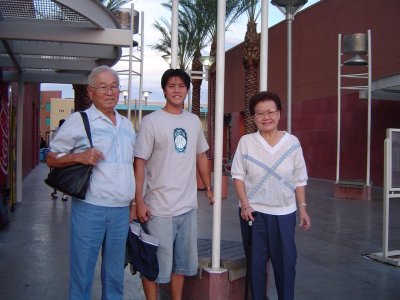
x=305 y=221
x=246 y=213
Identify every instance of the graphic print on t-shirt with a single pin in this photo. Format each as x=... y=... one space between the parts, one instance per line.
x=180 y=140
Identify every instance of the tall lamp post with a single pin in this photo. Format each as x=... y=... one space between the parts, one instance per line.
x=125 y=94
x=289 y=8
x=207 y=62
x=146 y=95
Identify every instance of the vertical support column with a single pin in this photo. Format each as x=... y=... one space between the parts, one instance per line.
x=386 y=188
x=130 y=66
x=141 y=65
x=339 y=107
x=174 y=34
x=264 y=46
x=367 y=181
x=289 y=73
x=219 y=123
x=20 y=130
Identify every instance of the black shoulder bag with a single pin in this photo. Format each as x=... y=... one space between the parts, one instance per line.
x=73 y=180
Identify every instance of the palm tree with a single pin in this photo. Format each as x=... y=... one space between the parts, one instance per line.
x=82 y=100
x=251 y=61
x=192 y=38
x=208 y=10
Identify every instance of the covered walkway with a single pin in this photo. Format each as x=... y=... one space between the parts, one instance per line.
x=331 y=257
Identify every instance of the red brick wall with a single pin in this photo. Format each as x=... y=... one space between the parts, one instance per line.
x=314 y=96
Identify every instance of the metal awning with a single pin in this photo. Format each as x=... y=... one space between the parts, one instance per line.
x=385 y=88
x=57 y=41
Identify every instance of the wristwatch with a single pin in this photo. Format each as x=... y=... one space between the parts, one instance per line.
x=59 y=155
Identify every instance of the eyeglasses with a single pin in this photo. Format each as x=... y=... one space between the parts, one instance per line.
x=269 y=114
x=105 y=89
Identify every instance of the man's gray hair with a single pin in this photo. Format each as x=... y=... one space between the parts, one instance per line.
x=101 y=69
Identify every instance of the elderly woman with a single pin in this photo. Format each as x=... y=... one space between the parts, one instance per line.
x=269 y=175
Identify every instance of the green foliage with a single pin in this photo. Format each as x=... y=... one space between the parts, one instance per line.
x=113 y=5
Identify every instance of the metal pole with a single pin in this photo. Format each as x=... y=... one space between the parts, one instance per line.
x=369 y=110
x=289 y=72
x=219 y=122
x=264 y=46
x=386 y=189
x=141 y=65
x=339 y=109
x=174 y=34
x=20 y=134
x=130 y=66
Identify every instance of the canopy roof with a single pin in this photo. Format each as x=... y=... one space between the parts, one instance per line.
x=57 y=41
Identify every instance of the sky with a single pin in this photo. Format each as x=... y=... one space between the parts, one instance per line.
x=153 y=64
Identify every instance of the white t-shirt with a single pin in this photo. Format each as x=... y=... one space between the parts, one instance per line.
x=270 y=174
x=170 y=144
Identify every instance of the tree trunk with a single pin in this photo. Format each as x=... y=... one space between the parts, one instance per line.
x=82 y=100
x=211 y=100
x=251 y=60
x=196 y=66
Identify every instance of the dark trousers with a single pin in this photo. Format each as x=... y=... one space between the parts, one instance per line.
x=272 y=239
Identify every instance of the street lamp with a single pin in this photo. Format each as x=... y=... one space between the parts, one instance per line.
x=289 y=8
x=125 y=94
x=146 y=94
x=207 y=62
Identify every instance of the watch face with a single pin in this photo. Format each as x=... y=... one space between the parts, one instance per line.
x=180 y=140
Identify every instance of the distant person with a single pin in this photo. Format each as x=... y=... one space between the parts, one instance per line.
x=43 y=143
x=54 y=194
x=170 y=145
x=269 y=174
x=101 y=221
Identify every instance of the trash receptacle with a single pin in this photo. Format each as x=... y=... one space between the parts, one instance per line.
x=5 y=209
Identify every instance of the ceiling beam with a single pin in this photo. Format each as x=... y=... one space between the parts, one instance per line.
x=60 y=49
x=92 y=10
x=45 y=77
x=11 y=55
x=29 y=31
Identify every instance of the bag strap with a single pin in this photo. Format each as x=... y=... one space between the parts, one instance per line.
x=87 y=127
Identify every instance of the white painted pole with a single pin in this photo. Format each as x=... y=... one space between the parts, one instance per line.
x=386 y=189
x=141 y=64
x=174 y=34
x=219 y=123
x=339 y=109
x=264 y=46
x=130 y=66
x=367 y=182
x=289 y=73
x=20 y=130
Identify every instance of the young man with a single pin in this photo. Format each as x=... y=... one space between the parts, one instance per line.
x=102 y=219
x=170 y=146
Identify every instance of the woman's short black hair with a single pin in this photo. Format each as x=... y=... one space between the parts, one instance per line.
x=175 y=72
x=264 y=96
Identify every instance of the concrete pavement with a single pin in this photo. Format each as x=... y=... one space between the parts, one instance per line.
x=332 y=256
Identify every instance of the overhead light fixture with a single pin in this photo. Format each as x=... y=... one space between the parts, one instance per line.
x=355 y=44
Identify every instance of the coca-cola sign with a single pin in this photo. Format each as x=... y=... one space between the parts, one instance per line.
x=4 y=134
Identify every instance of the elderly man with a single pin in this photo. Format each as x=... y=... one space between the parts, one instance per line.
x=102 y=219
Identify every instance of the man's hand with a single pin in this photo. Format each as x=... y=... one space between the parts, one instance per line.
x=90 y=157
x=143 y=212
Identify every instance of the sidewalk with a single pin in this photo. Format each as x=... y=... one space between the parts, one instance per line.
x=331 y=256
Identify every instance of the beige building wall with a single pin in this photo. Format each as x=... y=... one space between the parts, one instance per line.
x=60 y=109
